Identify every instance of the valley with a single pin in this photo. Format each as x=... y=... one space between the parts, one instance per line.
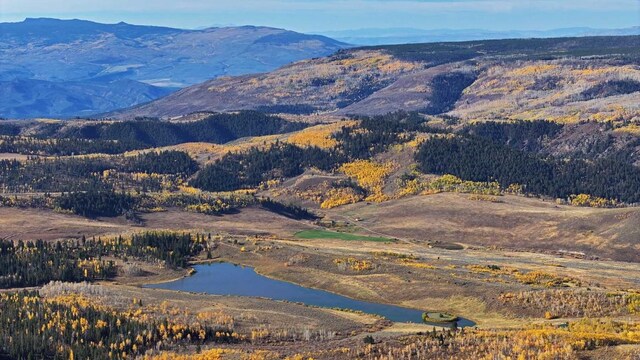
x=486 y=284
x=489 y=187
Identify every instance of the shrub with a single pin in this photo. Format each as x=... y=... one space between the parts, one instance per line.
x=369 y=340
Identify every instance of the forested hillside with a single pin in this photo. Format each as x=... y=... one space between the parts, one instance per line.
x=68 y=138
x=563 y=79
x=359 y=152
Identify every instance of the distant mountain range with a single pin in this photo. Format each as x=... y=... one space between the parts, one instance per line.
x=411 y=35
x=65 y=68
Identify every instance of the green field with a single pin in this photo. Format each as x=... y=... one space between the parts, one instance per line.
x=324 y=234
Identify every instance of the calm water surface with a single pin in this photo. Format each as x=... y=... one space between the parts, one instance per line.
x=231 y=279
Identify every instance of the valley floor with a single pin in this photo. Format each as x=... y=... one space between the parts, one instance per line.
x=510 y=267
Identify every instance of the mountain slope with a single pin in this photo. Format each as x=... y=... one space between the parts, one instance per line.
x=565 y=79
x=28 y=97
x=82 y=51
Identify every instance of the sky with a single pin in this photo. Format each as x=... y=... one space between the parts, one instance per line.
x=316 y=16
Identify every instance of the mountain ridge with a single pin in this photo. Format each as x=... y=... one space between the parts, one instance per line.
x=432 y=78
x=60 y=51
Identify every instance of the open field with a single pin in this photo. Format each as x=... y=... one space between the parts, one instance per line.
x=323 y=234
x=24 y=224
x=517 y=223
x=507 y=272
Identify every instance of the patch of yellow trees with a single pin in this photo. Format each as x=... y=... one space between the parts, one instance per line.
x=370 y=175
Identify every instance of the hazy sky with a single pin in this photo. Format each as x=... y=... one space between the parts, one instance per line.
x=322 y=15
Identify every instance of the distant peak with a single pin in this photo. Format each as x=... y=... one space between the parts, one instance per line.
x=46 y=20
x=41 y=19
x=255 y=27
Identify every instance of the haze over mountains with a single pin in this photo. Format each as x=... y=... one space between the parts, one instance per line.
x=385 y=36
x=65 y=68
x=77 y=68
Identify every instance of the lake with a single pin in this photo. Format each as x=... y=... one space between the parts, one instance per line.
x=231 y=279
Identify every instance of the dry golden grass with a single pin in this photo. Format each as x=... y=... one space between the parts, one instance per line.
x=516 y=223
x=632 y=129
x=30 y=224
x=10 y=156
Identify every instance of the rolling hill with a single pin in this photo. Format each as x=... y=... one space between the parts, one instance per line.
x=563 y=79
x=64 y=68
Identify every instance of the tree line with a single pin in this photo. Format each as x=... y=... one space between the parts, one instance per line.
x=96 y=202
x=34 y=263
x=121 y=136
x=84 y=174
x=480 y=159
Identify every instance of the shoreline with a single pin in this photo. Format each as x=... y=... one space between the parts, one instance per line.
x=255 y=269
